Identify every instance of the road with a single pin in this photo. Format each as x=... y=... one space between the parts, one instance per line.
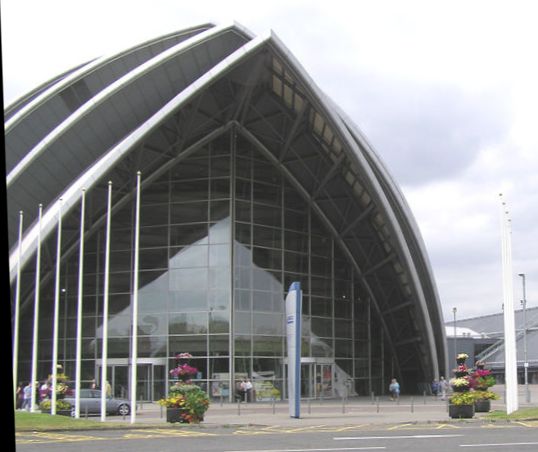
x=505 y=437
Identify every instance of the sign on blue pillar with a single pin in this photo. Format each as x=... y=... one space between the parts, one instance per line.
x=293 y=335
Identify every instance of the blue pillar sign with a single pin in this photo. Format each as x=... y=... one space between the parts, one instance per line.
x=293 y=336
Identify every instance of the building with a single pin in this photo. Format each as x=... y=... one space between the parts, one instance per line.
x=482 y=338
x=251 y=178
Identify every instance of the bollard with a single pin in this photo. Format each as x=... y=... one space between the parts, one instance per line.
x=398 y=400
x=343 y=405
x=377 y=403
x=373 y=398
x=447 y=403
x=161 y=411
x=221 y=400
x=424 y=394
x=86 y=412
x=239 y=408
x=274 y=408
x=309 y=406
x=412 y=404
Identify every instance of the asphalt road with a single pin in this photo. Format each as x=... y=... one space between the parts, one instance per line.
x=489 y=437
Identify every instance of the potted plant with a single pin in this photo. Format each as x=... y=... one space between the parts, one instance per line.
x=482 y=380
x=461 y=405
x=482 y=403
x=186 y=402
x=62 y=407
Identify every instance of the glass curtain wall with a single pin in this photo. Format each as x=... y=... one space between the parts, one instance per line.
x=223 y=235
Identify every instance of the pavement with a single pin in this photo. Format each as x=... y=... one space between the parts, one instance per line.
x=328 y=412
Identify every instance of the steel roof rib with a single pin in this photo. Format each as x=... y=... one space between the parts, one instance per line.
x=72 y=194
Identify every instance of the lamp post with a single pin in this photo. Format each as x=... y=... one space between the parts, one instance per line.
x=525 y=363
x=454 y=310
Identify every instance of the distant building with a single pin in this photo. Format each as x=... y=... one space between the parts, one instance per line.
x=482 y=338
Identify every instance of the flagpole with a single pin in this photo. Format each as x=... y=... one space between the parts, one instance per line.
x=510 y=361
x=17 y=307
x=78 y=358
x=36 y=312
x=56 y=312
x=134 y=348
x=105 y=307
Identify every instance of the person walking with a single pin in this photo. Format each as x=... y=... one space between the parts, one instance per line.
x=443 y=387
x=27 y=397
x=394 y=389
x=248 y=390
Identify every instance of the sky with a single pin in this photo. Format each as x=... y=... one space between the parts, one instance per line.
x=445 y=91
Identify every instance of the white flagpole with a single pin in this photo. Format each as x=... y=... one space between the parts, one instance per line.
x=105 y=307
x=134 y=357
x=36 y=312
x=16 y=322
x=56 y=312
x=79 y=305
x=510 y=361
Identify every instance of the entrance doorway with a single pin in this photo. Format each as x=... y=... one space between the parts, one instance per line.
x=317 y=379
x=150 y=385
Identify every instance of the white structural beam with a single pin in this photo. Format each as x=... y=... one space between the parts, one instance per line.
x=510 y=359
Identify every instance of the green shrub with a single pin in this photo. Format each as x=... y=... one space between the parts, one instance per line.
x=45 y=405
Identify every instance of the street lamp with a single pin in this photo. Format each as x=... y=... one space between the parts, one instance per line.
x=455 y=334
x=525 y=363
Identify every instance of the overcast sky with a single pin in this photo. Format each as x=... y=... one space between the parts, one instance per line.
x=446 y=92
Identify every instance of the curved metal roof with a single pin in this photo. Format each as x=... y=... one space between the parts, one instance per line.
x=215 y=80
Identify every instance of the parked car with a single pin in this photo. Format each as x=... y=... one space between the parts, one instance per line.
x=90 y=402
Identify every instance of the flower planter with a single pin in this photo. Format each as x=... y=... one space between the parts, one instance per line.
x=482 y=406
x=59 y=412
x=174 y=415
x=461 y=411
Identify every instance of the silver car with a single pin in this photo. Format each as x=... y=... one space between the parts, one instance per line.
x=90 y=403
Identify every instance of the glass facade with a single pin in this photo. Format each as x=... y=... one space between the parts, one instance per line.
x=222 y=237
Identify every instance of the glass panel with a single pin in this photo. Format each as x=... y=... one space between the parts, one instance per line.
x=242 y=323
x=267 y=258
x=298 y=221
x=267 y=346
x=272 y=324
x=242 y=233
x=219 y=345
x=195 y=345
x=321 y=307
x=343 y=349
x=152 y=346
x=267 y=237
x=242 y=347
x=188 y=323
x=153 y=237
x=191 y=212
x=219 y=322
x=152 y=324
x=322 y=327
x=243 y=300
x=188 y=279
x=190 y=190
x=242 y=189
x=220 y=232
x=343 y=328
x=242 y=211
x=321 y=287
x=294 y=241
x=220 y=166
x=188 y=234
x=268 y=216
x=190 y=168
x=219 y=299
x=220 y=188
x=188 y=300
x=219 y=255
x=267 y=194
x=295 y=262
x=120 y=261
x=219 y=210
x=156 y=214
x=190 y=256
x=150 y=259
